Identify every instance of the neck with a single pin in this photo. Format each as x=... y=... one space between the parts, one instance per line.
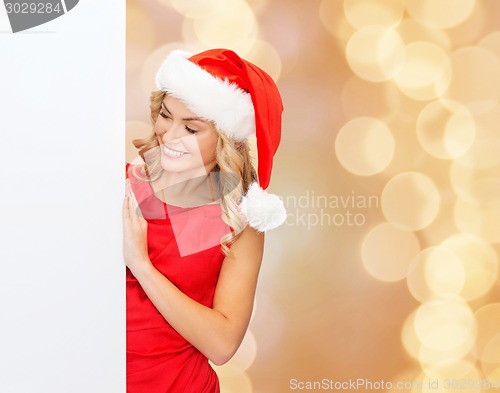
x=185 y=190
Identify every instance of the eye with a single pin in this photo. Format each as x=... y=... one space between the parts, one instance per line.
x=190 y=130
x=164 y=115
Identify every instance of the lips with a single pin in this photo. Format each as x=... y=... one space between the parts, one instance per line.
x=173 y=153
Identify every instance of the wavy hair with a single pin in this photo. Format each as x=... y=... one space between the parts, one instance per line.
x=233 y=163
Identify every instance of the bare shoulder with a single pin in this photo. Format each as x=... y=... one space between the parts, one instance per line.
x=250 y=244
x=240 y=268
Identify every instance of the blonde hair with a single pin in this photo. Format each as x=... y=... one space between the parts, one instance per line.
x=234 y=165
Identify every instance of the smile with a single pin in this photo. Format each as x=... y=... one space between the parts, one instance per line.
x=172 y=153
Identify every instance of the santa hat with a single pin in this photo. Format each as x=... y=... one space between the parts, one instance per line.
x=242 y=100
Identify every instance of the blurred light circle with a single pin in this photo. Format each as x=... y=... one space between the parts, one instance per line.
x=444 y=324
x=268 y=324
x=408 y=336
x=362 y=13
x=491 y=42
x=488 y=333
x=264 y=55
x=422 y=386
x=440 y=14
x=471 y=31
x=138 y=21
x=135 y=130
x=200 y=8
x=227 y=27
x=373 y=100
x=415 y=278
x=480 y=220
x=479 y=261
x=232 y=381
x=242 y=359
x=412 y=31
x=430 y=357
x=387 y=251
x=484 y=151
x=444 y=272
x=258 y=5
x=460 y=376
x=364 y=146
x=332 y=18
x=494 y=377
x=426 y=72
x=435 y=271
x=375 y=53
x=138 y=129
x=254 y=310
x=445 y=129
x=153 y=62
x=288 y=38
x=475 y=78
x=476 y=185
x=410 y=201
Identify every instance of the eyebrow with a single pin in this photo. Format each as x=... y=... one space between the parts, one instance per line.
x=186 y=118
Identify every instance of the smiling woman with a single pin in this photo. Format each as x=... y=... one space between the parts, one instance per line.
x=194 y=217
x=190 y=143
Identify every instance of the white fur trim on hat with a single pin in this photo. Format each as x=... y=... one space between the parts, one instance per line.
x=224 y=103
x=263 y=210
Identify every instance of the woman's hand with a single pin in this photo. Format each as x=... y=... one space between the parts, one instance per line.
x=135 y=248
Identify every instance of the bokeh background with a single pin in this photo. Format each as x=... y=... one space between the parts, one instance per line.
x=389 y=166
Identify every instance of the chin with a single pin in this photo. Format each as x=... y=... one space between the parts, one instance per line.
x=174 y=165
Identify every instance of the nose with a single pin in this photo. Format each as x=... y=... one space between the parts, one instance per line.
x=172 y=133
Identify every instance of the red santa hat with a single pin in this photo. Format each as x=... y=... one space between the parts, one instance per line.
x=242 y=100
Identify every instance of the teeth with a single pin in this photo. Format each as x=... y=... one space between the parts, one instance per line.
x=171 y=152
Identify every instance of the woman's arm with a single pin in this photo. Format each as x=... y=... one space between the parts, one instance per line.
x=216 y=332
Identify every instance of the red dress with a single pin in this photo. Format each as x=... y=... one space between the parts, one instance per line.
x=160 y=360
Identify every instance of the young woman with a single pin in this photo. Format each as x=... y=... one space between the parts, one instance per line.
x=193 y=219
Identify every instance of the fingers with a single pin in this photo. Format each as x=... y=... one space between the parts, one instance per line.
x=125 y=209
x=133 y=206
x=126 y=202
x=128 y=208
x=127 y=187
x=132 y=195
x=131 y=209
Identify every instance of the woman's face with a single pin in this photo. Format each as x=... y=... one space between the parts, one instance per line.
x=187 y=142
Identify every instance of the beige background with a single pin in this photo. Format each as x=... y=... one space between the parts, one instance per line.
x=389 y=166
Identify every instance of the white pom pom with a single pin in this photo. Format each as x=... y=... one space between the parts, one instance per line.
x=263 y=210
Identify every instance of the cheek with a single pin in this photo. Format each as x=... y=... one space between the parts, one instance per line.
x=213 y=148
x=209 y=149
x=157 y=129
